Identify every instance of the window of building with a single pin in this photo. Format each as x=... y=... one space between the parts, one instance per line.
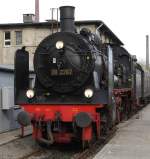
x=7 y=38
x=18 y=37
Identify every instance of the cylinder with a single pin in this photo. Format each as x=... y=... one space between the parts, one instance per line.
x=67 y=19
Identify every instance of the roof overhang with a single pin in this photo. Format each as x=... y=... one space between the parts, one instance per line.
x=49 y=24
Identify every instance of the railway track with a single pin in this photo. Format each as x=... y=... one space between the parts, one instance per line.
x=27 y=148
x=94 y=148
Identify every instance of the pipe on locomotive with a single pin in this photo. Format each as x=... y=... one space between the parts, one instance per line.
x=67 y=19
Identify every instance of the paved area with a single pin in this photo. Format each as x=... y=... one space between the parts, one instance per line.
x=12 y=135
x=132 y=140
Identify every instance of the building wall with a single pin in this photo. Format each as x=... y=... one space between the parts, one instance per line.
x=31 y=37
x=7 y=117
x=1 y=46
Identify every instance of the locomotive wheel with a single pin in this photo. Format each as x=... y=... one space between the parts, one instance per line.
x=43 y=145
x=88 y=144
x=118 y=116
x=104 y=123
x=125 y=107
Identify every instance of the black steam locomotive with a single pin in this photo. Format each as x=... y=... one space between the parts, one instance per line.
x=82 y=87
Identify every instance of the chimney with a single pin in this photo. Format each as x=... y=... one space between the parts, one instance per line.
x=67 y=19
x=147 y=51
x=37 y=11
x=28 y=18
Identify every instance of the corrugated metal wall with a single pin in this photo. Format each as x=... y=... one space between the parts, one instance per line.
x=8 y=112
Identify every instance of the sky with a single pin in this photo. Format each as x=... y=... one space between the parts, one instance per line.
x=128 y=19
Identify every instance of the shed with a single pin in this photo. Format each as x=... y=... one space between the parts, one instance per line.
x=8 y=111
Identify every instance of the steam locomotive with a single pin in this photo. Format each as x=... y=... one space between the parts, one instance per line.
x=82 y=87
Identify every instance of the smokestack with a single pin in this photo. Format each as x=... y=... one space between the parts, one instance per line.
x=37 y=11
x=147 y=51
x=67 y=19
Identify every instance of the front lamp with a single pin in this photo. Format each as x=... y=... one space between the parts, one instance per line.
x=88 y=93
x=30 y=93
x=59 y=45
